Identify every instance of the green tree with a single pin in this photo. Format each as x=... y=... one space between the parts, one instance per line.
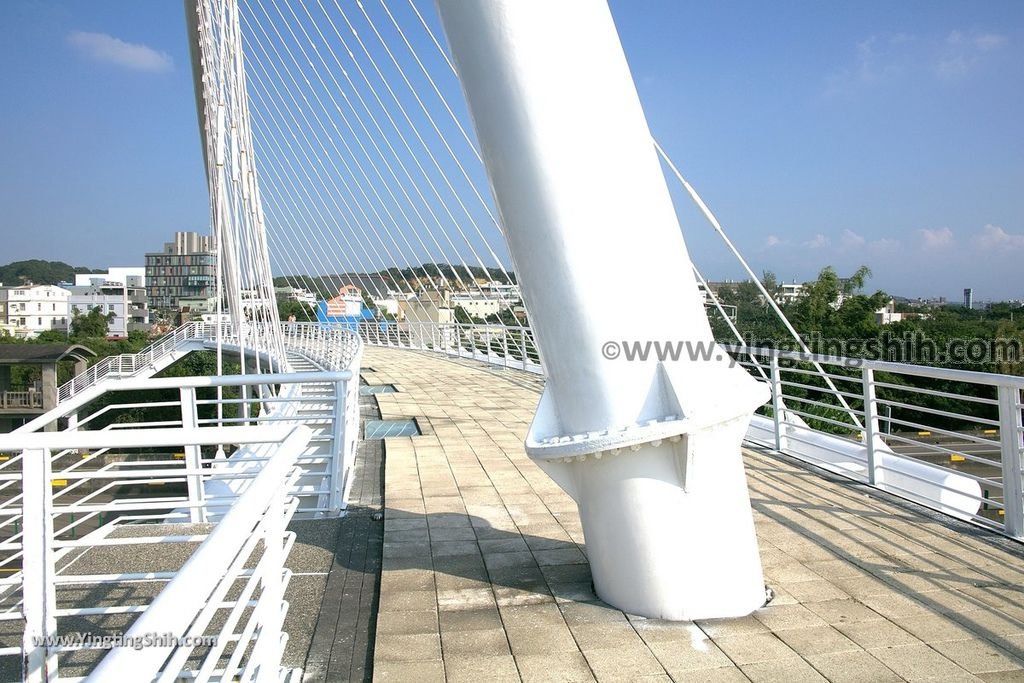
x=287 y=307
x=94 y=324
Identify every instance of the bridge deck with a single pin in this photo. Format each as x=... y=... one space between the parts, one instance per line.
x=485 y=574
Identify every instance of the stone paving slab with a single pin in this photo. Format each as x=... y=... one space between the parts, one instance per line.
x=485 y=577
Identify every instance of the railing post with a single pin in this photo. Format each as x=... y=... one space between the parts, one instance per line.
x=870 y=422
x=269 y=650
x=1010 y=438
x=778 y=406
x=339 y=464
x=39 y=605
x=193 y=458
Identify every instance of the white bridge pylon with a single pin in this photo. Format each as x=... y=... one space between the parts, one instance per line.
x=357 y=180
x=650 y=450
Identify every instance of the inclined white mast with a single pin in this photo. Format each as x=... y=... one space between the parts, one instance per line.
x=649 y=450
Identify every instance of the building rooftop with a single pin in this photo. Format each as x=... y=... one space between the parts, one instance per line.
x=43 y=353
x=485 y=575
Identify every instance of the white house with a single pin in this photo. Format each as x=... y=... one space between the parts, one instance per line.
x=31 y=309
x=123 y=295
x=480 y=306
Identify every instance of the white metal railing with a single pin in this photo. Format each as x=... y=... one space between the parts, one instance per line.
x=110 y=472
x=223 y=608
x=956 y=445
x=130 y=364
x=334 y=348
x=264 y=399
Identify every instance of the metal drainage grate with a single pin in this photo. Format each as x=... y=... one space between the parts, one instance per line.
x=370 y=389
x=385 y=429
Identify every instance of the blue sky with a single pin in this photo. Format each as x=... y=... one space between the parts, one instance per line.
x=876 y=133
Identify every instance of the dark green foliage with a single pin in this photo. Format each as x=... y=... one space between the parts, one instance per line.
x=91 y=324
x=835 y=318
x=39 y=272
x=301 y=311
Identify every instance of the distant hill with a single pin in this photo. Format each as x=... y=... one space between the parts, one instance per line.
x=376 y=285
x=39 y=272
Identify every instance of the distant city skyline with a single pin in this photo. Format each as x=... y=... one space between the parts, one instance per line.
x=844 y=134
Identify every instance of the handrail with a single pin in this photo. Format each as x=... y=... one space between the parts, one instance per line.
x=177 y=606
x=259 y=513
x=132 y=363
x=799 y=423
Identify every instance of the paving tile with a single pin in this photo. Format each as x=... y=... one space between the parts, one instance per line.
x=554 y=668
x=789 y=670
x=980 y=656
x=408 y=601
x=857 y=666
x=454 y=548
x=781 y=617
x=407 y=580
x=559 y=556
x=465 y=599
x=623 y=664
x=470 y=619
x=407 y=536
x=871 y=634
x=408 y=623
x=539 y=640
x=752 y=648
x=415 y=647
x=1002 y=677
x=567 y=573
x=917 y=662
x=512 y=560
x=452 y=533
x=933 y=628
x=659 y=630
x=608 y=634
x=818 y=590
x=726 y=674
x=537 y=615
x=508 y=596
x=817 y=640
x=718 y=628
x=498 y=669
x=681 y=658
x=843 y=611
x=478 y=643
x=505 y=545
x=590 y=613
x=404 y=524
x=895 y=606
x=403 y=672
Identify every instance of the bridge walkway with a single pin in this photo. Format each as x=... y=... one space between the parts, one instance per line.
x=485 y=576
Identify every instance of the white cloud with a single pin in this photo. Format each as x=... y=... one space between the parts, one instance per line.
x=851 y=240
x=817 y=242
x=772 y=241
x=962 y=52
x=978 y=41
x=884 y=245
x=994 y=237
x=888 y=59
x=940 y=238
x=106 y=48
